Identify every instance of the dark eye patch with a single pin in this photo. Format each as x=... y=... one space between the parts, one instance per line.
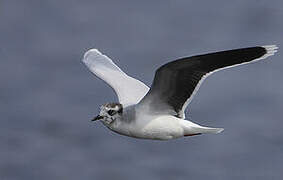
x=111 y=112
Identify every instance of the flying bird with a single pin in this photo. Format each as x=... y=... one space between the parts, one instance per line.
x=158 y=112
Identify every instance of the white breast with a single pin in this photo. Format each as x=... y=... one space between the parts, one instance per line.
x=148 y=126
x=157 y=127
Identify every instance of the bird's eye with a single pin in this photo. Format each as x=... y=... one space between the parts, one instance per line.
x=111 y=112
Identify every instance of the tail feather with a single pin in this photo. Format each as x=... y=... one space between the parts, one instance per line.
x=210 y=130
x=202 y=130
x=193 y=128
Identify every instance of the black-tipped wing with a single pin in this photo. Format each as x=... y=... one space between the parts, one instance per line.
x=175 y=82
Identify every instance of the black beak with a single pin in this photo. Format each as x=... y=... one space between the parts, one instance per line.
x=97 y=118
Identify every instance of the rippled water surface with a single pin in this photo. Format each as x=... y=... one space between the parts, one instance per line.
x=48 y=97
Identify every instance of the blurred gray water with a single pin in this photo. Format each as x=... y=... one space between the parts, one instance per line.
x=48 y=97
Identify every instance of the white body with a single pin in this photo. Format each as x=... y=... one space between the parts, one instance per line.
x=139 y=120
x=136 y=122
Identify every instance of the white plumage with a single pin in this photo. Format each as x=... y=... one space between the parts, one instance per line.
x=158 y=112
x=129 y=90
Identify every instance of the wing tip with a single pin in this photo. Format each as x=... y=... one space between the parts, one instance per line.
x=91 y=52
x=270 y=50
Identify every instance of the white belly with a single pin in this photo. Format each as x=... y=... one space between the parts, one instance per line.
x=160 y=128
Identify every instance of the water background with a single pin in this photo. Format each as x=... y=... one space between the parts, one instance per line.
x=47 y=96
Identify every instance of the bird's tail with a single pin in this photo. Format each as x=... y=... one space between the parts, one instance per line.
x=209 y=130
x=191 y=128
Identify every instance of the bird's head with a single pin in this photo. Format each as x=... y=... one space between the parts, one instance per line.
x=109 y=112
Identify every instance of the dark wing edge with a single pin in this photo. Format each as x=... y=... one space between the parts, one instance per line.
x=176 y=82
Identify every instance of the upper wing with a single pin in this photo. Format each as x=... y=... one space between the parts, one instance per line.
x=176 y=82
x=129 y=90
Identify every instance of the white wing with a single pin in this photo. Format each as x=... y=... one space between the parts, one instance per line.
x=129 y=90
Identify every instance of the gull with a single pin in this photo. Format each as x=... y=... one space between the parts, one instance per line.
x=158 y=112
